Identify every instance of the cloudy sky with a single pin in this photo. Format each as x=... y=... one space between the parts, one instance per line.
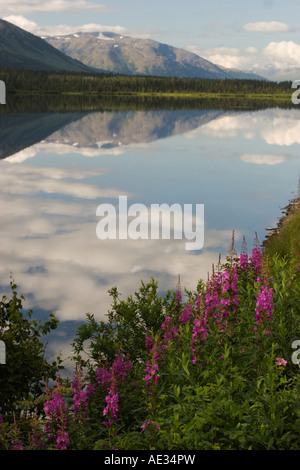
x=245 y=35
x=239 y=34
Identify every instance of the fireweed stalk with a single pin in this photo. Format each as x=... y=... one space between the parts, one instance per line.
x=212 y=298
x=80 y=398
x=256 y=257
x=199 y=328
x=244 y=256
x=186 y=315
x=264 y=301
x=55 y=410
x=230 y=300
x=151 y=378
x=119 y=371
x=37 y=434
x=16 y=442
x=264 y=309
x=169 y=333
x=152 y=368
x=151 y=429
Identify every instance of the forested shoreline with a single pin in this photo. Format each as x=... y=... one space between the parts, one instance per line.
x=18 y=81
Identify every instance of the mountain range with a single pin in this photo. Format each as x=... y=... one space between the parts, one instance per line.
x=105 y=52
x=111 y=52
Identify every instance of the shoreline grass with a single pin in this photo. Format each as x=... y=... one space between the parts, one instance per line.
x=190 y=95
x=284 y=240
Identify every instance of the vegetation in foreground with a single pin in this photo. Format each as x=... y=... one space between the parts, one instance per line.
x=208 y=369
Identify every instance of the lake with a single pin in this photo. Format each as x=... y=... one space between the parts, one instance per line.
x=58 y=164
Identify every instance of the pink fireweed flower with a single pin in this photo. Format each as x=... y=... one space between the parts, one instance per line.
x=178 y=297
x=149 y=343
x=152 y=373
x=244 y=260
x=264 y=306
x=150 y=424
x=169 y=332
x=280 y=362
x=112 y=404
x=17 y=444
x=152 y=366
x=212 y=298
x=119 y=371
x=166 y=323
x=62 y=440
x=257 y=256
x=80 y=397
x=199 y=334
x=186 y=315
x=229 y=300
x=103 y=376
x=90 y=391
x=55 y=410
x=244 y=256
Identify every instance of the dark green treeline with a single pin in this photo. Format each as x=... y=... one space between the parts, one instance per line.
x=50 y=82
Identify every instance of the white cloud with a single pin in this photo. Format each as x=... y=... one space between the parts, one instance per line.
x=64 y=29
x=277 y=55
x=251 y=50
x=23 y=23
x=282 y=54
x=229 y=57
x=276 y=127
x=33 y=6
x=51 y=247
x=267 y=27
x=34 y=180
x=263 y=159
x=61 y=29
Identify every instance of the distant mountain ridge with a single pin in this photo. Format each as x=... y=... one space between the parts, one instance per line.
x=114 y=53
x=21 y=49
x=105 y=52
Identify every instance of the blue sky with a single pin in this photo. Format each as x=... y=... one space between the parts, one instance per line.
x=242 y=34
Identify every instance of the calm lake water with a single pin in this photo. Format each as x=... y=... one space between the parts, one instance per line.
x=56 y=168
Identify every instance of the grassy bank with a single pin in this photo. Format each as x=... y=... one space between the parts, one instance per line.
x=279 y=97
x=284 y=240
